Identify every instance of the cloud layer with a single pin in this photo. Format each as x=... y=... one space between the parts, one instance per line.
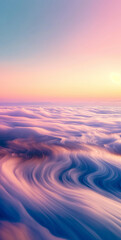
x=60 y=173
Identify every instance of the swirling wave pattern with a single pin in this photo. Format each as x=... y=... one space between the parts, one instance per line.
x=60 y=173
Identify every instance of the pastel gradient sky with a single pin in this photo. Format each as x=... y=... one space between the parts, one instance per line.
x=60 y=50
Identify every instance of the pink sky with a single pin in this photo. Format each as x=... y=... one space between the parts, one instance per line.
x=84 y=63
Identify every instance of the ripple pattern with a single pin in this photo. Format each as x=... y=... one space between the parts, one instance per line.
x=60 y=173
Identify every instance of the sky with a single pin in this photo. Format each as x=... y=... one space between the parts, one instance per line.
x=61 y=50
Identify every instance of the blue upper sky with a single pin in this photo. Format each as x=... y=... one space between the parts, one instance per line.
x=29 y=26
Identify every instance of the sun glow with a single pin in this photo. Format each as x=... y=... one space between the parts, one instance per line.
x=115 y=77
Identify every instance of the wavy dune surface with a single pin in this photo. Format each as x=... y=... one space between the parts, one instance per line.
x=60 y=173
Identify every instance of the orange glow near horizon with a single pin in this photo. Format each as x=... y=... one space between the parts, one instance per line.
x=34 y=83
